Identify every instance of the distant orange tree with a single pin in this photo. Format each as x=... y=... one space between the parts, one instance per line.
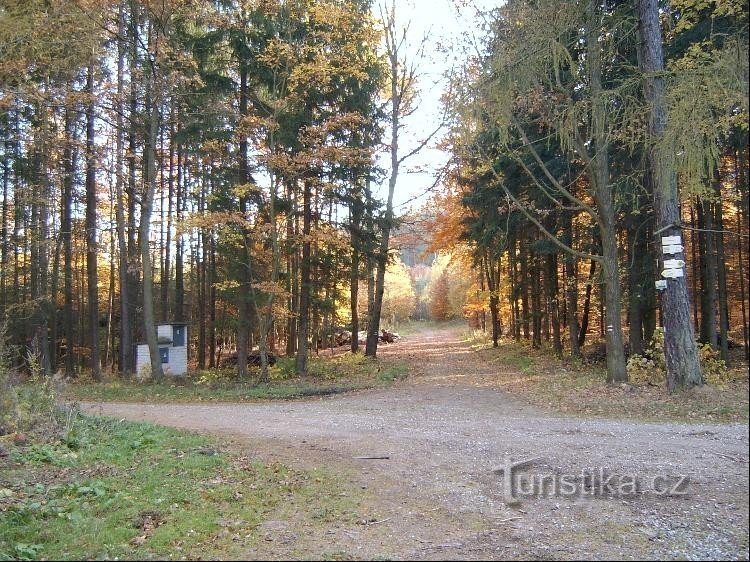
x=439 y=302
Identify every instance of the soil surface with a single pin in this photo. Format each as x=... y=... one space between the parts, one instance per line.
x=439 y=494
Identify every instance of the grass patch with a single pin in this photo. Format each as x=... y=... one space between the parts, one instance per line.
x=328 y=375
x=189 y=391
x=415 y=327
x=420 y=326
x=393 y=373
x=127 y=490
x=575 y=387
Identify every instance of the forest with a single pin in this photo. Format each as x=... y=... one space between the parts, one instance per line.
x=374 y=280
x=596 y=148
x=216 y=163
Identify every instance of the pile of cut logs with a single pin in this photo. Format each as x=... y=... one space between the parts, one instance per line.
x=345 y=337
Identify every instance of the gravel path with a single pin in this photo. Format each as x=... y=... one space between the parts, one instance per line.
x=437 y=497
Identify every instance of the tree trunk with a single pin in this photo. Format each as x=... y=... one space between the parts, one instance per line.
x=587 y=305
x=536 y=301
x=166 y=272
x=18 y=207
x=481 y=316
x=293 y=283
x=4 y=221
x=211 y=303
x=200 y=272
x=648 y=311
x=515 y=290
x=373 y=324
x=524 y=285
x=397 y=92
x=554 y=308
x=316 y=280
x=356 y=221
x=266 y=317
x=494 y=298
x=38 y=233
x=571 y=289
x=126 y=331
x=695 y=260
x=683 y=368
x=109 y=340
x=741 y=182
x=153 y=98
x=91 y=245
x=721 y=268
x=599 y=176
x=512 y=282
x=708 y=273
x=81 y=268
x=616 y=369
x=66 y=226
x=179 y=268
x=641 y=298
x=133 y=252
x=243 y=306
x=303 y=325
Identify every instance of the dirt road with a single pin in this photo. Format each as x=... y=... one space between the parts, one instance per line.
x=436 y=496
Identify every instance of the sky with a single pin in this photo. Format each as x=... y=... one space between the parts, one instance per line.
x=449 y=31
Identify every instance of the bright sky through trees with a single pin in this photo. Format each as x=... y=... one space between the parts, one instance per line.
x=450 y=28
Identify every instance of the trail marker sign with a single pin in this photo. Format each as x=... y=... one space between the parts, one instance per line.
x=672 y=273
x=674 y=264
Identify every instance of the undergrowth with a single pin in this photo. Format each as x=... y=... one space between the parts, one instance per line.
x=578 y=387
x=78 y=487
x=651 y=367
x=327 y=374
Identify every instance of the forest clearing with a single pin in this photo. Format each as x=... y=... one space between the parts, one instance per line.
x=462 y=280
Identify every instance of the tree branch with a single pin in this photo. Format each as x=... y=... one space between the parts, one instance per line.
x=552 y=238
x=575 y=200
x=421 y=145
x=544 y=187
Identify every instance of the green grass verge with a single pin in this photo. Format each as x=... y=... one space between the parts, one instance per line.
x=114 y=489
x=189 y=391
x=328 y=375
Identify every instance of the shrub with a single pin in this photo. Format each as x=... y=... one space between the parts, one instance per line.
x=392 y=374
x=713 y=366
x=354 y=359
x=144 y=373
x=651 y=367
x=345 y=365
x=209 y=377
x=8 y=398
x=30 y=406
x=284 y=369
